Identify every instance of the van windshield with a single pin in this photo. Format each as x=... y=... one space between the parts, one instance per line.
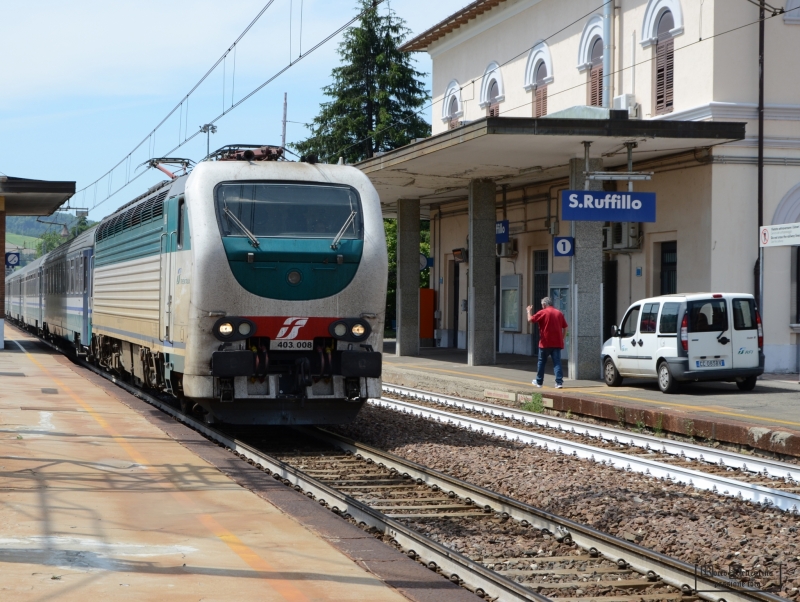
x=289 y=210
x=708 y=315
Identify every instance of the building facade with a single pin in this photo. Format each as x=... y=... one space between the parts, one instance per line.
x=686 y=60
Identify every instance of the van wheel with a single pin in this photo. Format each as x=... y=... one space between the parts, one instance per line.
x=748 y=384
x=666 y=382
x=611 y=374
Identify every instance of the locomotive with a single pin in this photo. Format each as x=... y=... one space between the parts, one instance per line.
x=252 y=290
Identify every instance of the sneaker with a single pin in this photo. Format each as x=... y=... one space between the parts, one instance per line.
x=558 y=386
x=535 y=384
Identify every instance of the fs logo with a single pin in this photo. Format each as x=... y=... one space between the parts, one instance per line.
x=291 y=326
x=743 y=351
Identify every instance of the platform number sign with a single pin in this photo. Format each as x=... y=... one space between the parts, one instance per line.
x=12 y=260
x=563 y=246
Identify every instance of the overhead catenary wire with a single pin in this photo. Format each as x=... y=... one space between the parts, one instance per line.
x=221 y=59
x=224 y=112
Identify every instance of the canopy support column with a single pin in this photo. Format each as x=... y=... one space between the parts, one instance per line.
x=482 y=258
x=407 y=277
x=586 y=299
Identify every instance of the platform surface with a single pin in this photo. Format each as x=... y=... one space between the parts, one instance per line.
x=97 y=503
x=775 y=402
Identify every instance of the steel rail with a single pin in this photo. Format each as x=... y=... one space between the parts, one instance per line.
x=710 y=455
x=694 y=478
x=648 y=562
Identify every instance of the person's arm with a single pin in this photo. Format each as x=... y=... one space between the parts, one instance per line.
x=529 y=309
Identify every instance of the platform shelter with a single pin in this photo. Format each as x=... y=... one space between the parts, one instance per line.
x=21 y=196
x=478 y=162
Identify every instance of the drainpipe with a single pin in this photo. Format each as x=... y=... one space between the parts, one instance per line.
x=608 y=17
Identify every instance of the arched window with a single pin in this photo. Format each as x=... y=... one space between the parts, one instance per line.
x=665 y=64
x=493 y=110
x=540 y=85
x=492 y=92
x=452 y=107
x=596 y=74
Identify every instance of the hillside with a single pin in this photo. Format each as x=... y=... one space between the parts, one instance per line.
x=28 y=226
x=28 y=242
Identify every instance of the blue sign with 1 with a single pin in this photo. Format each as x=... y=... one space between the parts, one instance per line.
x=563 y=246
x=601 y=206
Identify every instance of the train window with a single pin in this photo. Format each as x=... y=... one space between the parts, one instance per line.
x=181 y=219
x=289 y=210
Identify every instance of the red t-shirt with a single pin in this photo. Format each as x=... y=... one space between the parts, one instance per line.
x=551 y=322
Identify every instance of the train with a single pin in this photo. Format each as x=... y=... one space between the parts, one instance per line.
x=252 y=290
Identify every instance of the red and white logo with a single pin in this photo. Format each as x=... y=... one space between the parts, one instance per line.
x=290 y=328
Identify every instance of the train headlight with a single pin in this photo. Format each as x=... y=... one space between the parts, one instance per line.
x=340 y=329
x=294 y=277
x=358 y=330
x=225 y=329
x=245 y=328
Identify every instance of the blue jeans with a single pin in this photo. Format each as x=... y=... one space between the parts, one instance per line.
x=544 y=353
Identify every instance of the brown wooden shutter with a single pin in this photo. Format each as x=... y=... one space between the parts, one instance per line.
x=596 y=87
x=665 y=75
x=540 y=108
x=493 y=110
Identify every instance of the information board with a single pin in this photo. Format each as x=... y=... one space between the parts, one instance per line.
x=782 y=235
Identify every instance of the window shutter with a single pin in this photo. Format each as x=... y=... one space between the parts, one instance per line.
x=493 y=111
x=596 y=87
x=665 y=75
x=453 y=124
x=540 y=110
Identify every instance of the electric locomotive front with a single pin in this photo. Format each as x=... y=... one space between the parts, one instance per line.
x=288 y=291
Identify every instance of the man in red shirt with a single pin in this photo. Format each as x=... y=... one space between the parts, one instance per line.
x=552 y=328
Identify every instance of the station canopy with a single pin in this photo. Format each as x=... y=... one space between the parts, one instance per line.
x=33 y=197
x=522 y=151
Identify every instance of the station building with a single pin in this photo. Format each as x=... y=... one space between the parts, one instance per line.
x=504 y=66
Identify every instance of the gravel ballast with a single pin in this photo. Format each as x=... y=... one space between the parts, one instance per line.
x=695 y=526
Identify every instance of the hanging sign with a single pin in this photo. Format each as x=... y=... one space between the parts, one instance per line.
x=12 y=260
x=501 y=231
x=782 y=235
x=563 y=246
x=601 y=206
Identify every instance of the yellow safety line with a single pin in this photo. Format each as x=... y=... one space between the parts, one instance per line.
x=611 y=395
x=282 y=586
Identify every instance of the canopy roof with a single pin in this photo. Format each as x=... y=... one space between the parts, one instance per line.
x=33 y=197
x=520 y=151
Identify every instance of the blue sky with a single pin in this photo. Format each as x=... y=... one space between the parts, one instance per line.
x=86 y=81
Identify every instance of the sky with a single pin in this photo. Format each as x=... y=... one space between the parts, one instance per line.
x=87 y=81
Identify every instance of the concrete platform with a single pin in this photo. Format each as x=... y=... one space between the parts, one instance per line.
x=766 y=418
x=98 y=502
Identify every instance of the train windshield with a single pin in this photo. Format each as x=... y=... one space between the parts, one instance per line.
x=289 y=210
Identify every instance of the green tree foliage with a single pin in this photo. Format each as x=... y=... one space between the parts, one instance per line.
x=376 y=94
x=390 y=226
x=48 y=242
x=81 y=225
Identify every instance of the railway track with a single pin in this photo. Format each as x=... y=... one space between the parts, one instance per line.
x=497 y=547
x=756 y=479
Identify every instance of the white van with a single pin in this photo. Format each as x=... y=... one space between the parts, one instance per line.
x=687 y=337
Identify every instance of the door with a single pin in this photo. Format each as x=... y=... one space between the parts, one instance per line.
x=84 y=282
x=669 y=268
x=647 y=348
x=626 y=345
x=540 y=282
x=744 y=334
x=169 y=244
x=709 y=342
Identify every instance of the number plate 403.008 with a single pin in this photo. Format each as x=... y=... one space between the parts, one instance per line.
x=291 y=345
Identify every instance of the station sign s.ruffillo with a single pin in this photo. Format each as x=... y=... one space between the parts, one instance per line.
x=602 y=206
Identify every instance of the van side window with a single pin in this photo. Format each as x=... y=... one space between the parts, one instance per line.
x=744 y=314
x=709 y=315
x=628 y=328
x=649 y=317
x=669 y=318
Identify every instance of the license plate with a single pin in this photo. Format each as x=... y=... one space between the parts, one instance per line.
x=710 y=363
x=291 y=345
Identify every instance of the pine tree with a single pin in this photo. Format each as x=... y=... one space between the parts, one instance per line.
x=375 y=93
